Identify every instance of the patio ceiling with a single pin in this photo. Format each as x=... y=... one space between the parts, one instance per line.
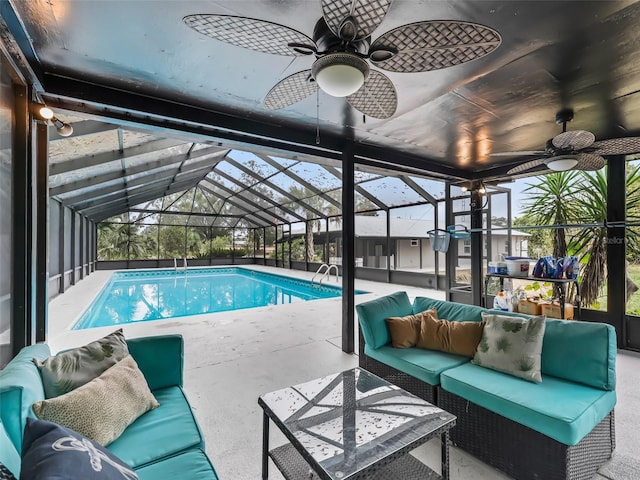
x=136 y=63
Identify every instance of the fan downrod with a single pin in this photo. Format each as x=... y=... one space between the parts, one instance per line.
x=563 y=116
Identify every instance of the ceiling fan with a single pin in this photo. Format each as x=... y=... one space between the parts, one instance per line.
x=343 y=49
x=574 y=149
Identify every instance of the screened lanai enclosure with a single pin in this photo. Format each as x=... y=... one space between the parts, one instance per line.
x=139 y=200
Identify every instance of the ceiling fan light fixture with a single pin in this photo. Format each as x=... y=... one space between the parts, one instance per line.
x=340 y=74
x=562 y=163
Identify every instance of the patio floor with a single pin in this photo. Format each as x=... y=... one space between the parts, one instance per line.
x=233 y=357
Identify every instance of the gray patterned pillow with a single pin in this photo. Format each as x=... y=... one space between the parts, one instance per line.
x=104 y=407
x=69 y=370
x=512 y=345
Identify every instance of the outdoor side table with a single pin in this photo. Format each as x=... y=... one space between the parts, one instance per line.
x=352 y=425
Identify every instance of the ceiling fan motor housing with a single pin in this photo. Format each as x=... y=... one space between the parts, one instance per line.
x=327 y=42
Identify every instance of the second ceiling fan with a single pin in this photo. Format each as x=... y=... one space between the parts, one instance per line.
x=573 y=150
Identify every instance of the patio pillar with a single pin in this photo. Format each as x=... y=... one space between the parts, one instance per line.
x=616 y=250
x=388 y=212
x=42 y=226
x=348 y=249
x=22 y=329
x=62 y=248
x=476 y=247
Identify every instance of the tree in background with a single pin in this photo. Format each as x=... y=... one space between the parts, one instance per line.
x=579 y=197
x=549 y=202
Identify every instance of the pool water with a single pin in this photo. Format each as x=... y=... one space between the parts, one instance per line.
x=139 y=296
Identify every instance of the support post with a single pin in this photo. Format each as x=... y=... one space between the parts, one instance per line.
x=21 y=328
x=348 y=249
x=616 y=250
x=476 y=247
x=42 y=226
x=388 y=212
x=62 y=249
x=73 y=248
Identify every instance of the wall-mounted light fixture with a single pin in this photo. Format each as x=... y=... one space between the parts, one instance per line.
x=64 y=129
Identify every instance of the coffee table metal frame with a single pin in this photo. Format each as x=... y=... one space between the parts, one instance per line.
x=399 y=461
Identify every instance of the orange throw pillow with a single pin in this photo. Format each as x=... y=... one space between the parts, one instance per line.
x=461 y=338
x=405 y=331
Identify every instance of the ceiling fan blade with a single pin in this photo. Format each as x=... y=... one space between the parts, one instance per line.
x=523 y=167
x=368 y=14
x=521 y=153
x=249 y=33
x=589 y=162
x=292 y=89
x=432 y=45
x=617 y=146
x=573 y=140
x=377 y=98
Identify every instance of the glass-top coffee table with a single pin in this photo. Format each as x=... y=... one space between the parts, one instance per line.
x=352 y=425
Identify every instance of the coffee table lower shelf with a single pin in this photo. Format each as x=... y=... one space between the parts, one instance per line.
x=294 y=467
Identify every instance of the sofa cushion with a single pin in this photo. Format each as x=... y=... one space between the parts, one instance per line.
x=73 y=368
x=20 y=387
x=102 y=408
x=459 y=338
x=563 y=410
x=425 y=365
x=512 y=345
x=372 y=315
x=405 y=331
x=53 y=452
x=9 y=456
x=165 y=431
x=455 y=311
x=583 y=352
x=192 y=464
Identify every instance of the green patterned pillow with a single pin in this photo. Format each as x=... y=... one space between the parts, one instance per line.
x=102 y=408
x=512 y=345
x=69 y=370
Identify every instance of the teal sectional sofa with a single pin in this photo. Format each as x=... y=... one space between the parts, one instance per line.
x=164 y=443
x=562 y=428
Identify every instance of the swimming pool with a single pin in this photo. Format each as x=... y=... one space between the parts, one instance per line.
x=144 y=295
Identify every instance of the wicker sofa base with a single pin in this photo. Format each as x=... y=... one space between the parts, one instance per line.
x=410 y=384
x=522 y=452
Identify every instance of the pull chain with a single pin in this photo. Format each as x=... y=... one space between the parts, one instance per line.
x=317 y=116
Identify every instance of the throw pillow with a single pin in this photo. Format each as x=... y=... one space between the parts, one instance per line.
x=50 y=451
x=5 y=474
x=460 y=338
x=512 y=345
x=404 y=331
x=104 y=407
x=69 y=370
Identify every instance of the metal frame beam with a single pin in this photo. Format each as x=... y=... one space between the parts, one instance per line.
x=334 y=171
x=81 y=128
x=204 y=166
x=113 y=156
x=231 y=202
x=258 y=194
x=158 y=185
x=99 y=212
x=418 y=189
x=147 y=167
x=300 y=180
x=274 y=187
x=258 y=208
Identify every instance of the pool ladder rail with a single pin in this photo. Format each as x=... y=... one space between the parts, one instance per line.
x=175 y=265
x=324 y=271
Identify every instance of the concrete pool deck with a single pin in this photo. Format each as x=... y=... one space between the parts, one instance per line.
x=233 y=357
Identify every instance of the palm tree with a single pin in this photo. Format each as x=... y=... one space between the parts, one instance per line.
x=591 y=242
x=550 y=203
